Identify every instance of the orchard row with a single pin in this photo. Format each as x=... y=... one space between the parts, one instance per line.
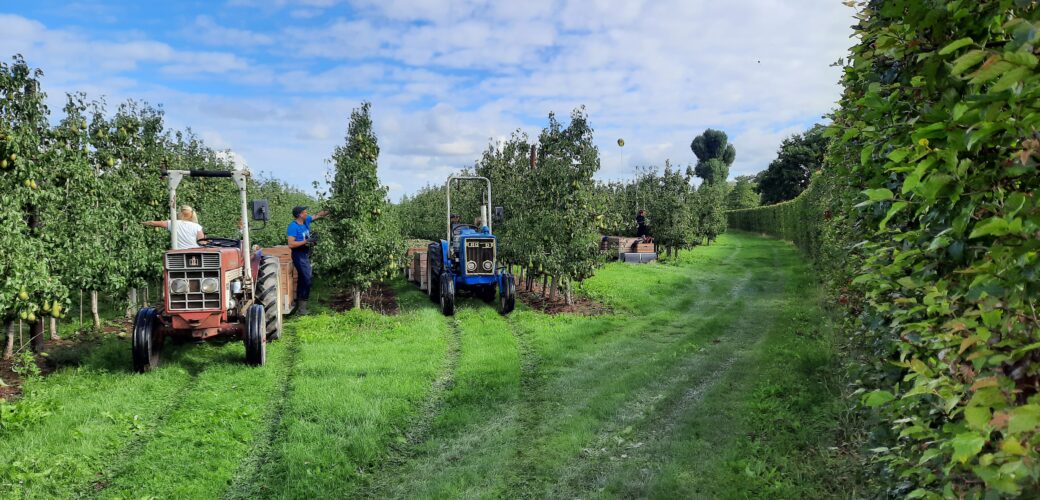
x=73 y=193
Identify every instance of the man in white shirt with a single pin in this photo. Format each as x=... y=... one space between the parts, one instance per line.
x=189 y=231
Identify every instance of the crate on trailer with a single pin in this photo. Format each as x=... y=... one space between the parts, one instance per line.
x=638 y=257
x=618 y=245
x=424 y=275
x=418 y=270
x=288 y=278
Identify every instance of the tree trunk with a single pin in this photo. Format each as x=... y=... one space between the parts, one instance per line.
x=555 y=285
x=357 y=297
x=94 y=309
x=36 y=332
x=54 y=328
x=147 y=291
x=131 y=302
x=9 y=348
x=567 y=289
x=80 y=308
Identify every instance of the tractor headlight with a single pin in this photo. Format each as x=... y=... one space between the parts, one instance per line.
x=179 y=286
x=210 y=285
x=488 y=265
x=471 y=266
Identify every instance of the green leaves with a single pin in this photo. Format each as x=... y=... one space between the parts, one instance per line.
x=954 y=45
x=929 y=208
x=1025 y=418
x=356 y=250
x=876 y=195
x=967 y=61
x=966 y=446
x=877 y=398
x=892 y=211
x=994 y=226
x=992 y=68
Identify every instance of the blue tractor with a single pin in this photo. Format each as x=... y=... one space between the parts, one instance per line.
x=466 y=263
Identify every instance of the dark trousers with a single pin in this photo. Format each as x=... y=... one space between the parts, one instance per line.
x=304 y=274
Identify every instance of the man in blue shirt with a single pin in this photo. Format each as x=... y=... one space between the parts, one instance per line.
x=301 y=241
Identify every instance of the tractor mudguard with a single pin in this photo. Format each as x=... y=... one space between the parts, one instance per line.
x=445 y=264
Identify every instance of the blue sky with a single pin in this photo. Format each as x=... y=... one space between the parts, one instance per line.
x=274 y=80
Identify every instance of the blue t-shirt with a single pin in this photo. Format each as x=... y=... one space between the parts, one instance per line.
x=300 y=231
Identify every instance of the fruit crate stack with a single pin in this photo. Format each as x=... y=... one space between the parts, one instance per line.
x=417 y=271
x=625 y=248
x=412 y=247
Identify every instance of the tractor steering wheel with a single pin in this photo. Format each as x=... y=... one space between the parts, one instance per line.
x=455 y=231
x=219 y=243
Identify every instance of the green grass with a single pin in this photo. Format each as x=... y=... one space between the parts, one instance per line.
x=714 y=377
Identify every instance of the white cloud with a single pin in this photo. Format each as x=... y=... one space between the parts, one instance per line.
x=206 y=30
x=445 y=78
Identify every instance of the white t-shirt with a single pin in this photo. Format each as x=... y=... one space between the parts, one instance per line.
x=187 y=234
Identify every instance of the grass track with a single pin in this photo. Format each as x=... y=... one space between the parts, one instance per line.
x=713 y=378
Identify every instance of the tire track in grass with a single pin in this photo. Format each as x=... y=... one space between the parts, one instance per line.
x=96 y=411
x=248 y=479
x=360 y=380
x=145 y=434
x=592 y=369
x=197 y=451
x=590 y=358
x=470 y=441
x=529 y=403
x=420 y=427
x=620 y=450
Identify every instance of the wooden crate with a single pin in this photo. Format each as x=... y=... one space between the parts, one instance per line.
x=643 y=248
x=288 y=275
x=418 y=270
x=622 y=244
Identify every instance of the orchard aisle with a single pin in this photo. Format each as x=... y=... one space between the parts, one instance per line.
x=713 y=377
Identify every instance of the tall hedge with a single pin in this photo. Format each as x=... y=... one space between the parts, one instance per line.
x=938 y=137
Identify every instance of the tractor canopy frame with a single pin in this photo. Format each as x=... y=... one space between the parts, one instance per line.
x=484 y=211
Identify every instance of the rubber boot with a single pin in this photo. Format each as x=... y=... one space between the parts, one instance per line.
x=302 y=308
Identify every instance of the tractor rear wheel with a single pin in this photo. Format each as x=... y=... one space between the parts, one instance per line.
x=256 y=336
x=146 y=341
x=269 y=294
x=434 y=285
x=507 y=299
x=447 y=294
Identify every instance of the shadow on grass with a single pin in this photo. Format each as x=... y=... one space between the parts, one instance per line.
x=112 y=354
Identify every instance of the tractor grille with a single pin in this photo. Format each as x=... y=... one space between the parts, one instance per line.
x=193 y=267
x=186 y=261
x=480 y=256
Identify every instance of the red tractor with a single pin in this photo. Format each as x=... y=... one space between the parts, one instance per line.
x=220 y=289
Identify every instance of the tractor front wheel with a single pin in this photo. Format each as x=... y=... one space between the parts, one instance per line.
x=447 y=294
x=146 y=341
x=256 y=336
x=507 y=297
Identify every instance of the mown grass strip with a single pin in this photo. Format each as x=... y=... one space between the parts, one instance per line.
x=248 y=480
x=472 y=439
x=360 y=378
x=87 y=417
x=766 y=422
x=195 y=453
